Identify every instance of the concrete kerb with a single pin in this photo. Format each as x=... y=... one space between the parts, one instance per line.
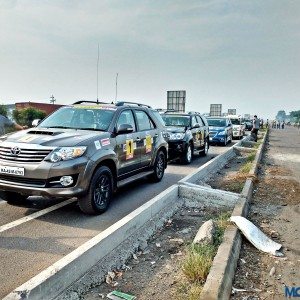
x=219 y=281
x=57 y=278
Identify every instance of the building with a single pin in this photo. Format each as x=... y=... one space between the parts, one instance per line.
x=46 y=107
x=176 y=100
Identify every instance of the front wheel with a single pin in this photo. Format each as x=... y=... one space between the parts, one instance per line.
x=12 y=197
x=99 y=195
x=187 y=157
x=205 y=149
x=159 y=167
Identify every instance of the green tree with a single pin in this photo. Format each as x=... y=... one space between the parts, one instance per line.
x=3 y=110
x=281 y=115
x=27 y=115
x=295 y=115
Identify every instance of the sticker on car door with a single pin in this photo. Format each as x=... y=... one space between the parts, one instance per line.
x=129 y=149
x=148 y=143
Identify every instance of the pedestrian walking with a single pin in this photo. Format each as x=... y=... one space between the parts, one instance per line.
x=5 y=122
x=282 y=125
x=255 y=128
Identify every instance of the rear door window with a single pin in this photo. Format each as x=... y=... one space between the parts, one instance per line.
x=143 y=121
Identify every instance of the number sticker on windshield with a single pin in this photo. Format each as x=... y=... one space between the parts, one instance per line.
x=129 y=149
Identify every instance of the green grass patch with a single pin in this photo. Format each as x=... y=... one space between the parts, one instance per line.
x=198 y=261
x=246 y=167
x=251 y=157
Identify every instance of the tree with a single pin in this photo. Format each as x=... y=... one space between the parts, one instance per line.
x=3 y=110
x=295 y=115
x=27 y=115
x=281 y=115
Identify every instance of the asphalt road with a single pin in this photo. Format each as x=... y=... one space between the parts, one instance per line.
x=30 y=247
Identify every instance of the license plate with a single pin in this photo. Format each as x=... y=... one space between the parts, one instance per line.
x=12 y=170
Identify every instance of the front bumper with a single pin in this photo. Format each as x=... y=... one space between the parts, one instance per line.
x=42 y=179
x=217 y=139
x=176 y=149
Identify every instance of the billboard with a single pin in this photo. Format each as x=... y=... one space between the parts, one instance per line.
x=176 y=100
x=215 y=110
x=231 y=111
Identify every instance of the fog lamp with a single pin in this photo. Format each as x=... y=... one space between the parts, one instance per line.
x=66 y=180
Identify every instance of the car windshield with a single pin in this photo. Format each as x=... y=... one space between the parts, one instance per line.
x=216 y=122
x=236 y=121
x=175 y=120
x=85 y=118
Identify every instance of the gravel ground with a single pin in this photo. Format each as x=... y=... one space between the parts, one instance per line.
x=275 y=210
x=155 y=272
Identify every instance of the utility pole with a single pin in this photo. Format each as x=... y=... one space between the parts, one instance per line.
x=52 y=99
x=116 y=87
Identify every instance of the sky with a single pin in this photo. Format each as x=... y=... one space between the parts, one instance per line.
x=241 y=54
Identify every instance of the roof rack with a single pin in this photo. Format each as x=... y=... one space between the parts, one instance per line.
x=121 y=103
x=193 y=113
x=87 y=101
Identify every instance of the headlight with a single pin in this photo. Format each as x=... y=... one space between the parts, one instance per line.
x=66 y=153
x=221 y=132
x=176 y=136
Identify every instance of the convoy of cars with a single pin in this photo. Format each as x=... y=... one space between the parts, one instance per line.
x=88 y=149
x=220 y=130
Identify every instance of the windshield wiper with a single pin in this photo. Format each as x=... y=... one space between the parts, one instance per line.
x=57 y=127
x=94 y=129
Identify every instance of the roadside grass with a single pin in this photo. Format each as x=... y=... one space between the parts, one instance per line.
x=245 y=169
x=198 y=261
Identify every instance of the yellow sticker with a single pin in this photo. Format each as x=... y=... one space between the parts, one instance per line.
x=27 y=138
x=148 y=143
x=129 y=149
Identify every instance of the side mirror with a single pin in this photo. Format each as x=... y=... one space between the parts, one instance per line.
x=197 y=125
x=36 y=122
x=124 y=128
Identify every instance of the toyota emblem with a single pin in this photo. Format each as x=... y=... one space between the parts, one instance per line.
x=15 y=151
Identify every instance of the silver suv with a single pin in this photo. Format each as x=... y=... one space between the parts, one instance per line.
x=85 y=150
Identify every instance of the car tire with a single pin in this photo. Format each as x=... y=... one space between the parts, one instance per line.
x=12 y=197
x=159 y=167
x=99 y=194
x=188 y=155
x=205 y=148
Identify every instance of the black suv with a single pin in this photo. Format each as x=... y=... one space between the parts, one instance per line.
x=188 y=133
x=85 y=150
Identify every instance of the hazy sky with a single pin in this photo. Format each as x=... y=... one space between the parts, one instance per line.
x=243 y=54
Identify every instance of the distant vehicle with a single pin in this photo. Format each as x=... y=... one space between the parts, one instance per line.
x=238 y=126
x=220 y=130
x=248 y=125
x=85 y=150
x=189 y=133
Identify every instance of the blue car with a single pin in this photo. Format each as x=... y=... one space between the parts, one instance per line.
x=220 y=130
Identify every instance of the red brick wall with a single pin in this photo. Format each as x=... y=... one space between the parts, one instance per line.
x=46 y=107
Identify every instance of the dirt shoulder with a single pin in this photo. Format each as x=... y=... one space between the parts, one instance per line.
x=275 y=209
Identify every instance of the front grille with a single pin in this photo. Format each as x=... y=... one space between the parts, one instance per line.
x=25 y=155
x=23 y=181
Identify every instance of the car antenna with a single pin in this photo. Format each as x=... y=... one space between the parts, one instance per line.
x=98 y=75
